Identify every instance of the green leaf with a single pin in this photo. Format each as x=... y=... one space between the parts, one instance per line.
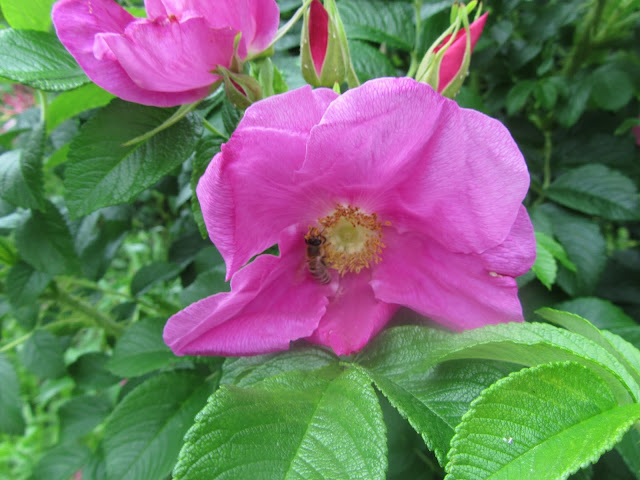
x=61 y=462
x=45 y=242
x=39 y=60
x=21 y=172
x=400 y=351
x=555 y=249
x=207 y=147
x=545 y=266
x=11 y=420
x=611 y=88
x=602 y=313
x=518 y=95
x=369 y=62
x=597 y=190
x=68 y=104
x=24 y=284
x=28 y=14
x=141 y=349
x=379 y=22
x=151 y=274
x=324 y=424
x=81 y=415
x=8 y=252
x=247 y=371
x=526 y=419
x=89 y=371
x=585 y=247
x=546 y=93
x=102 y=172
x=206 y=284
x=576 y=103
x=624 y=352
x=42 y=354
x=143 y=436
x=434 y=400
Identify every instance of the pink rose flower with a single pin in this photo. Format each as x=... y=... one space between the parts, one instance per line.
x=412 y=200
x=168 y=58
x=454 y=56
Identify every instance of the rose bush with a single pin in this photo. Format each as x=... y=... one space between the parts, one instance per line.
x=419 y=202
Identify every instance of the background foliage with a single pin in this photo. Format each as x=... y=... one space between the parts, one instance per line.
x=101 y=242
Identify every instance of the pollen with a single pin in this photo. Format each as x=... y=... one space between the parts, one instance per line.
x=353 y=239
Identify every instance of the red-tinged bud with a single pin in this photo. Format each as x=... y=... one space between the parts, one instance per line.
x=446 y=64
x=324 y=51
x=241 y=89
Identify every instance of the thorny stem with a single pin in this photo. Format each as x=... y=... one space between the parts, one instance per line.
x=44 y=106
x=179 y=114
x=81 y=282
x=584 y=40
x=97 y=318
x=25 y=337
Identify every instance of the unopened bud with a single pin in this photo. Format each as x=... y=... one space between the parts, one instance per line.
x=446 y=63
x=324 y=51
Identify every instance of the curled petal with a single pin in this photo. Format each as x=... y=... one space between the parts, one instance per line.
x=421 y=162
x=458 y=290
x=77 y=24
x=248 y=193
x=256 y=19
x=272 y=302
x=171 y=56
x=353 y=316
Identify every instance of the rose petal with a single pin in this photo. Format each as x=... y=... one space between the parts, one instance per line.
x=77 y=23
x=171 y=56
x=248 y=193
x=272 y=302
x=458 y=290
x=421 y=162
x=353 y=316
x=318 y=34
x=256 y=19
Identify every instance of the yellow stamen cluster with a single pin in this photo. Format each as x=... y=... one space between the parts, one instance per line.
x=353 y=239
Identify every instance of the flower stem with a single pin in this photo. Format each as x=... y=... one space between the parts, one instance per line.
x=282 y=31
x=546 y=168
x=44 y=106
x=413 y=67
x=584 y=39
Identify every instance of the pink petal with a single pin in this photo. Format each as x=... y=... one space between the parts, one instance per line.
x=397 y=148
x=171 y=56
x=248 y=193
x=460 y=291
x=514 y=256
x=318 y=34
x=77 y=23
x=256 y=19
x=353 y=316
x=454 y=55
x=272 y=302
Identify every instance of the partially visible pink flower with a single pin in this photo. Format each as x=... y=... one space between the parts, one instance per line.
x=14 y=103
x=418 y=202
x=454 y=56
x=168 y=58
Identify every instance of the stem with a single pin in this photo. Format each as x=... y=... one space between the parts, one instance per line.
x=413 y=67
x=98 y=319
x=282 y=31
x=16 y=342
x=44 y=106
x=213 y=129
x=546 y=169
x=584 y=40
x=81 y=282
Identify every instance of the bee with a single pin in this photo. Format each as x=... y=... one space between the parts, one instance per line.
x=315 y=256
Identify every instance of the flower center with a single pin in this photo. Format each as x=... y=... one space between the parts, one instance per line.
x=353 y=239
